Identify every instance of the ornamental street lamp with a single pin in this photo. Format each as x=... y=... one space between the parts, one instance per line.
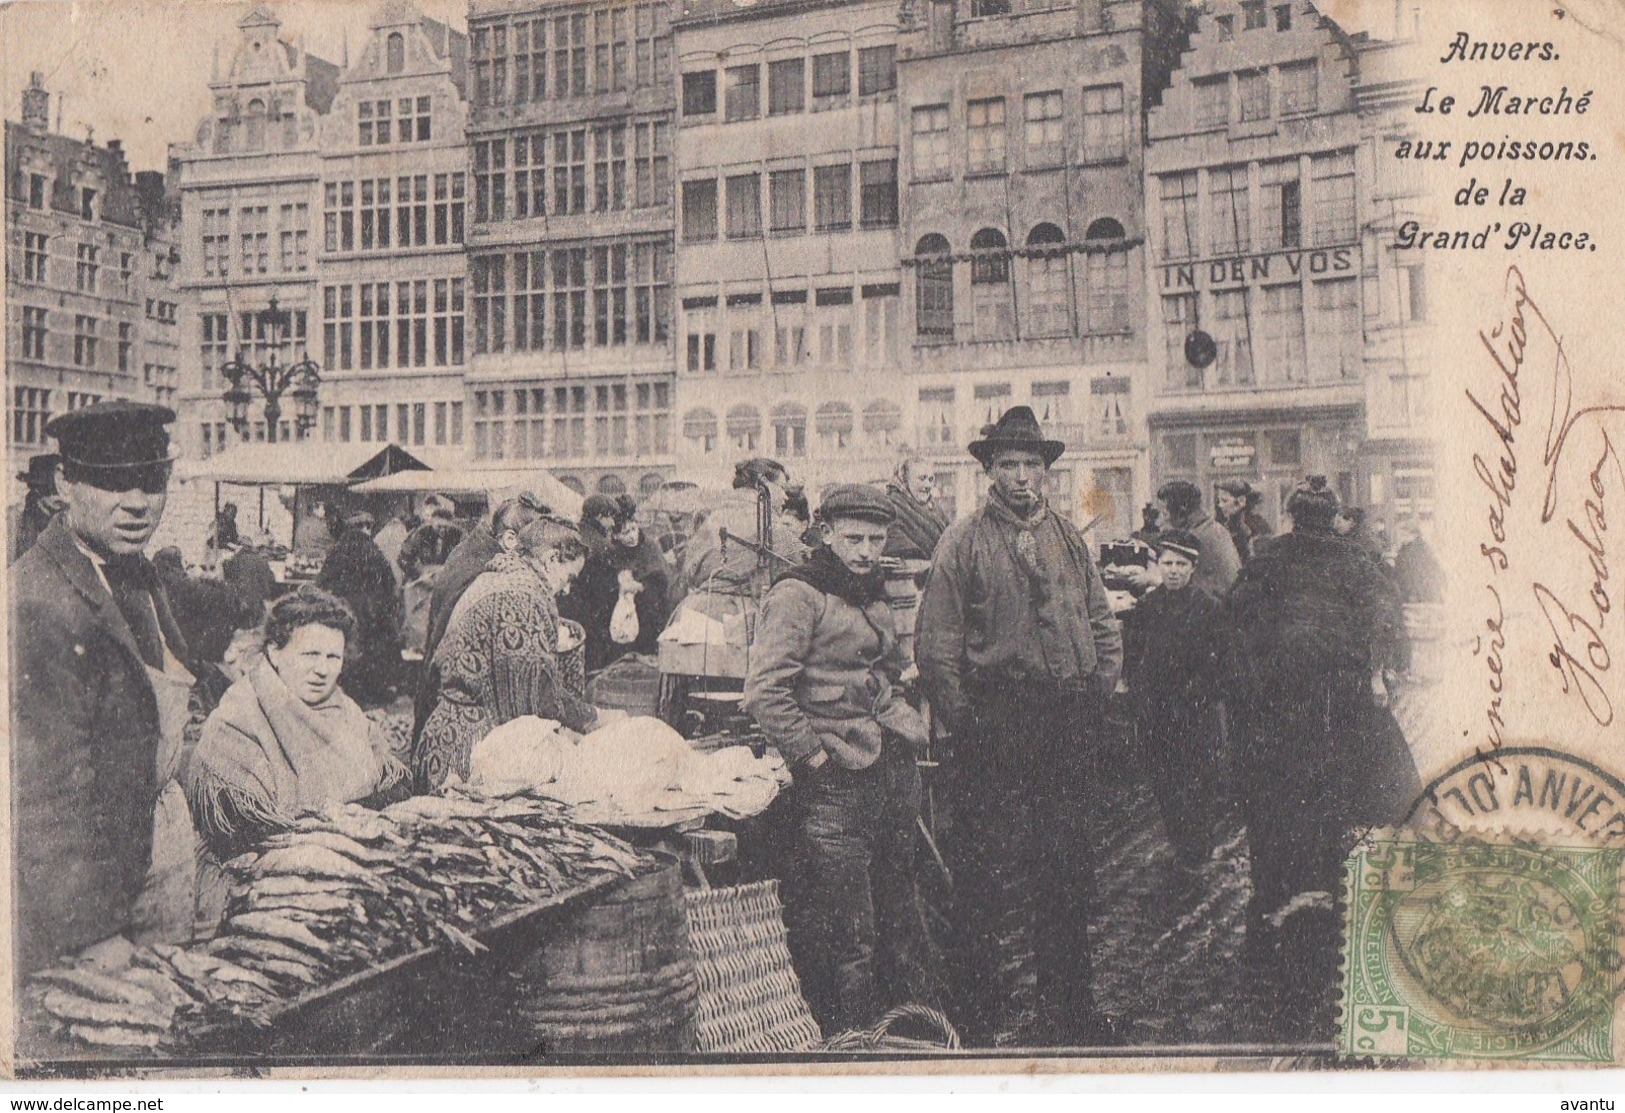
x=272 y=380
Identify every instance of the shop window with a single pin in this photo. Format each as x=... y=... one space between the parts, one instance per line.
x=834 y=425
x=700 y=430
x=881 y=421
x=745 y=428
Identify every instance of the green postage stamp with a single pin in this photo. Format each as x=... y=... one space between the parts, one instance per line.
x=1474 y=950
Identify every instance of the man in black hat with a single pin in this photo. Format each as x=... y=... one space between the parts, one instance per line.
x=1018 y=650
x=40 y=505
x=98 y=686
x=823 y=680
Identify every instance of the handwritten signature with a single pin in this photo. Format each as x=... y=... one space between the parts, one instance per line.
x=1579 y=650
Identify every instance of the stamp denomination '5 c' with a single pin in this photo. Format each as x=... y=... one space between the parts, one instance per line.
x=1480 y=950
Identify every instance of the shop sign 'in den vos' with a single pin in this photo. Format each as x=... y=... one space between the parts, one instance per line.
x=1246 y=270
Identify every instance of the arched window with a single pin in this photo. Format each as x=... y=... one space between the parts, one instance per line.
x=834 y=424
x=1106 y=280
x=1049 y=285
x=934 y=289
x=991 y=299
x=254 y=121
x=700 y=430
x=395 y=52
x=882 y=419
x=995 y=265
x=744 y=428
x=611 y=485
x=789 y=429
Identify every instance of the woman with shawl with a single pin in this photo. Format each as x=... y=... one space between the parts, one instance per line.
x=502 y=656
x=629 y=554
x=285 y=740
x=920 y=521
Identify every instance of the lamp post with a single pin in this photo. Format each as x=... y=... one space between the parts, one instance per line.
x=272 y=380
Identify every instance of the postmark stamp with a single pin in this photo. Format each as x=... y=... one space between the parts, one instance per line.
x=1499 y=949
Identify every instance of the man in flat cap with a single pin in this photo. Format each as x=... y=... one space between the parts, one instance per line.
x=824 y=669
x=99 y=696
x=1018 y=650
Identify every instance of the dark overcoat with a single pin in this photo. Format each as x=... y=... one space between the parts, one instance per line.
x=84 y=754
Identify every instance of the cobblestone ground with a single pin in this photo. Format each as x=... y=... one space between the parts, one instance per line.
x=1170 y=960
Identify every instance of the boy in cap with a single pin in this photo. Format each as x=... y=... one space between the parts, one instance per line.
x=99 y=690
x=1176 y=672
x=823 y=687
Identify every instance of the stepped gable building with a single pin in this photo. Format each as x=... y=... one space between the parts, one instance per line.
x=250 y=187
x=90 y=315
x=788 y=260
x=570 y=249
x=388 y=243
x=1023 y=233
x=1287 y=333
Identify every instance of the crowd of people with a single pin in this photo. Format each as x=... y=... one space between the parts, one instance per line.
x=163 y=720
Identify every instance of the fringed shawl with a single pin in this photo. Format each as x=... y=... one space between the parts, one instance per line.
x=265 y=757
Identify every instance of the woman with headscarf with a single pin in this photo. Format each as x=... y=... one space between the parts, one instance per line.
x=285 y=739
x=627 y=561
x=920 y=521
x=1317 y=631
x=502 y=655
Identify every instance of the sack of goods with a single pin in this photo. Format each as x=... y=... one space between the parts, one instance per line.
x=632 y=772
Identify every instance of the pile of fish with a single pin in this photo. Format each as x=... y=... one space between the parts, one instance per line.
x=343 y=890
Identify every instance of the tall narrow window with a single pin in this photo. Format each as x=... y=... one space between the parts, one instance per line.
x=992 y=301
x=786 y=86
x=934 y=288
x=1179 y=215
x=700 y=210
x=1283 y=333
x=832 y=198
x=787 y=199
x=878 y=199
x=984 y=131
x=1046 y=142
x=1105 y=124
x=930 y=142
x=1253 y=95
x=1333 y=177
x=1232 y=333
x=395 y=52
x=1049 y=285
x=743 y=97
x=1229 y=213
x=1283 y=204
x=744 y=206
x=254 y=125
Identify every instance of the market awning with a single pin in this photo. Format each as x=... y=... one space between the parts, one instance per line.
x=301 y=463
x=495 y=483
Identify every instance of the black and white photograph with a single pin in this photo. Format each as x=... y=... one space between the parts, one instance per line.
x=632 y=533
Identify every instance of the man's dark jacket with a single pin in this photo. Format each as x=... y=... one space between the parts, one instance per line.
x=84 y=751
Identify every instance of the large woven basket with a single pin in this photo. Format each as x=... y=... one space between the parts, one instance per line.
x=749 y=997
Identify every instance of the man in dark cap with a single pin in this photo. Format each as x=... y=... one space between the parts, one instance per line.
x=1018 y=650
x=822 y=685
x=40 y=505
x=99 y=691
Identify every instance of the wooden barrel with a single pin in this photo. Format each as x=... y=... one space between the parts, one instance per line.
x=617 y=976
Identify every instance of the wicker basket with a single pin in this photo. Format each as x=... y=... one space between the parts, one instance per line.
x=749 y=997
x=881 y=1037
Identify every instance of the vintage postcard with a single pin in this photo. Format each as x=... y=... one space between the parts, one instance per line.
x=710 y=536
